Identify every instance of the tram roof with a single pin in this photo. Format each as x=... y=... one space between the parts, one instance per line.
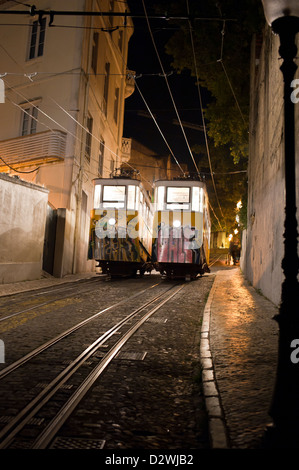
x=180 y=183
x=117 y=181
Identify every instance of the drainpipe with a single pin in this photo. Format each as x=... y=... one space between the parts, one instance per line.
x=84 y=77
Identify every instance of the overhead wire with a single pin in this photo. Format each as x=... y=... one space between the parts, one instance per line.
x=168 y=87
x=90 y=133
x=48 y=117
x=226 y=74
x=202 y=114
x=149 y=110
x=29 y=76
x=142 y=96
x=158 y=127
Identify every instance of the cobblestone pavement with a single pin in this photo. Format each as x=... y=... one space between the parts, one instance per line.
x=243 y=343
x=151 y=403
x=155 y=402
x=46 y=281
x=242 y=339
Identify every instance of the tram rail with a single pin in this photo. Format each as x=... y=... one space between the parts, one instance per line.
x=64 y=334
x=64 y=289
x=10 y=432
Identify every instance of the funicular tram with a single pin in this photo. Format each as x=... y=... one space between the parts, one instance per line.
x=121 y=225
x=181 y=228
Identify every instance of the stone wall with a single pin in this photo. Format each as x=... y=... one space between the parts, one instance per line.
x=261 y=259
x=23 y=212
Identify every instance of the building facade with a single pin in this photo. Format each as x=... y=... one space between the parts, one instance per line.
x=61 y=125
x=151 y=166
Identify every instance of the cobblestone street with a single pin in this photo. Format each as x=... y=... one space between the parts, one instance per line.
x=150 y=397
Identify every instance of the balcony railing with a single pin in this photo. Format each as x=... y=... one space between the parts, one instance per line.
x=48 y=146
x=126 y=149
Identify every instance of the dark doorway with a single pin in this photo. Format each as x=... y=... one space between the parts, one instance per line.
x=50 y=238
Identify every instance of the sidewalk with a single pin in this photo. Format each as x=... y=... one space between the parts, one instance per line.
x=47 y=281
x=239 y=354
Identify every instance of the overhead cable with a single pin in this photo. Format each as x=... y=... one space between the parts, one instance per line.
x=130 y=75
x=90 y=133
x=202 y=113
x=168 y=87
x=50 y=118
x=155 y=121
x=226 y=74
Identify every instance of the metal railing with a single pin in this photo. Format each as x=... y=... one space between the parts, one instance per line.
x=48 y=145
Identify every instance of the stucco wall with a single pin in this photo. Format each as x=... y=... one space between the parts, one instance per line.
x=261 y=261
x=22 y=226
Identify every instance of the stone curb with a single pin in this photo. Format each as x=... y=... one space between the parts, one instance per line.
x=217 y=427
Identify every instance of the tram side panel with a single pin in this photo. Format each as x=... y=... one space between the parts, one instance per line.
x=117 y=247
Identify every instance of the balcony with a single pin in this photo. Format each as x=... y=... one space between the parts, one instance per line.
x=33 y=149
x=126 y=149
x=130 y=83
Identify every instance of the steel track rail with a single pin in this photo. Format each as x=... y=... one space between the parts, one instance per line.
x=47 y=302
x=53 y=427
x=9 y=369
x=215 y=260
x=30 y=410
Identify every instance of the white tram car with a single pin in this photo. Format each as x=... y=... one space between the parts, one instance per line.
x=181 y=228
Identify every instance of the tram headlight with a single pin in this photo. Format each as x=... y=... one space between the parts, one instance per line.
x=176 y=223
x=112 y=221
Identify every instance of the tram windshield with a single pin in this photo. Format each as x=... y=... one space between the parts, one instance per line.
x=178 y=197
x=114 y=196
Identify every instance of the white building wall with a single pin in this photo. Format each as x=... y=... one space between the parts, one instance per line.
x=66 y=91
x=261 y=262
x=22 y=228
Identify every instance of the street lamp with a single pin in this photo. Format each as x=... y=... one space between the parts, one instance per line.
x=283 y=17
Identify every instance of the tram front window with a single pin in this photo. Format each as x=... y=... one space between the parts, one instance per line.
x=114 y=196
x=178 y=198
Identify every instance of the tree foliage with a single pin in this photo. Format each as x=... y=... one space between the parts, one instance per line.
x=222 y=53
x=222 y=66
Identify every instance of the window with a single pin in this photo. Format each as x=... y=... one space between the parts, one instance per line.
x=111 y=166
x=29 y=120
x=114 y=193
x=160 y=194
x=95 y=48
x=88 y=138
x=116 y=101
x=178 y=194
x=131 y=197
x=97 y=196
x=120 y=39
x=106 y=86
x=37 y=39
x=101 y=157
x=197 y=199
x=114 y=196
x=178 y=198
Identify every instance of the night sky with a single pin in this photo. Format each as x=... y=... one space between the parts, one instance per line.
x=143 y=60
